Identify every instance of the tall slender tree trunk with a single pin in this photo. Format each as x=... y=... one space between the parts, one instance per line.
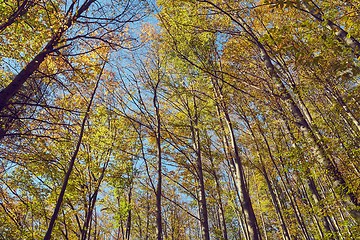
x=220 y=203
x=249 y=214
x=86 y=229
x=285 y=231
x=72 y=162
x=245 y=200
x=287 y=190
x=314 y=216
x=290 y=195
x=128 y=219
x=317 y=198
x=195 y=135
x=159 y=165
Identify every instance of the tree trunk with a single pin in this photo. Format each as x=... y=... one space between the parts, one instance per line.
x=202 y=196
x=219 y=191
x=159 y=165
x=250 y=218
x=71 y=163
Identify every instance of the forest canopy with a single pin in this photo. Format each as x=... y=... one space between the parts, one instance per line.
x=179 y=119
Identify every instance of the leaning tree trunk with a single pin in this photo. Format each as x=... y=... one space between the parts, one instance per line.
x=250 y=218
x=72 y=162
